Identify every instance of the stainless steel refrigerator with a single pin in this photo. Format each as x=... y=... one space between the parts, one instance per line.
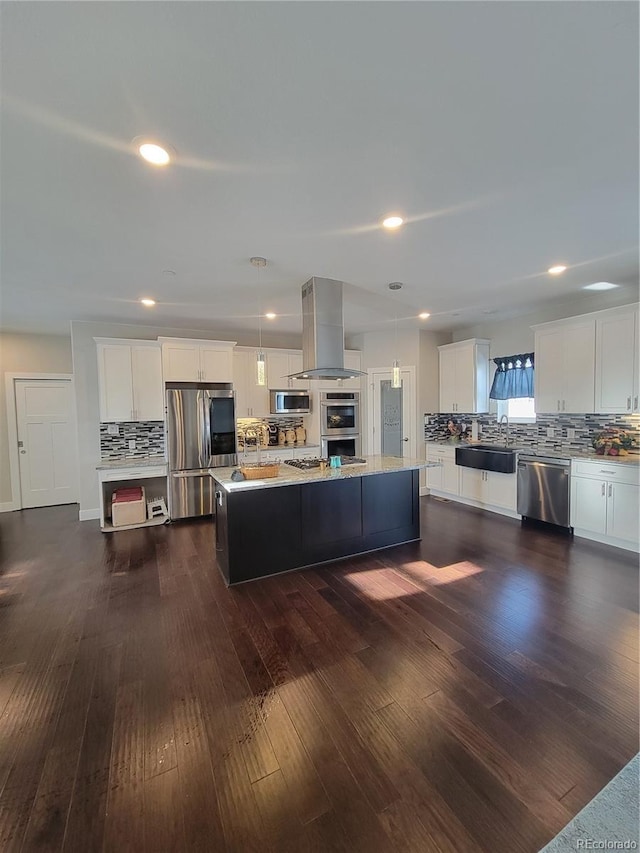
x=201 y=434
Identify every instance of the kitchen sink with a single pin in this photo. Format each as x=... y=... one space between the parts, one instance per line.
x=487 y=457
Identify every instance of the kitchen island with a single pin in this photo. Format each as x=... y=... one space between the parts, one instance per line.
x=302 y=518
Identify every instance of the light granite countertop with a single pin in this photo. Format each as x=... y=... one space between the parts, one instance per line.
x=290 y=476
x=131 y=462
x=588 y=455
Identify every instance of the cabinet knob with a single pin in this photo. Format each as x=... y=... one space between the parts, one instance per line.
x=628 y=403
x=604 y=486
x=635 y=402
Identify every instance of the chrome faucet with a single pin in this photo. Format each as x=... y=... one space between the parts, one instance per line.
x=505 y=418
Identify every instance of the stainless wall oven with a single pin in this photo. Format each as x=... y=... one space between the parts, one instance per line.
x=339 y=413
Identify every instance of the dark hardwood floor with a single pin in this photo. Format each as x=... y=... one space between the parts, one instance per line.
x=468 y=693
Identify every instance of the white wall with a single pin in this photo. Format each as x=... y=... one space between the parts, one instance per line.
x=85 y=364
x=26 y=354
x=413 y=347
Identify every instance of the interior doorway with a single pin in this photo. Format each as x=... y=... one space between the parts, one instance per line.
x=391 y=413
x=46 y=442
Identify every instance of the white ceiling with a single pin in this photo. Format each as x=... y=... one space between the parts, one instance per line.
x=506 y=133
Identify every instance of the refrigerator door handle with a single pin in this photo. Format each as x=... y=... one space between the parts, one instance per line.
x=207 y=427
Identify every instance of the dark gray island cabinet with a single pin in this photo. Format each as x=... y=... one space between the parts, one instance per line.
x=302 y=518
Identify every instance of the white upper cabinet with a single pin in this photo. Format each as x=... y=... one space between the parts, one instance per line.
x=252 y=400
x=281 y=363
x=464 y=377
x=352 y=361
x=129 y=380
x=617 y=359
x=565 y=366
x=185 y=360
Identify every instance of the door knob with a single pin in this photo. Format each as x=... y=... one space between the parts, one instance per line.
x=23 y=451
x=405 y=439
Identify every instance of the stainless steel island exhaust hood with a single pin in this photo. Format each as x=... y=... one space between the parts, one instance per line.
x=323 y=332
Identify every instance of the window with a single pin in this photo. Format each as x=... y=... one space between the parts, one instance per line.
x=517 y=409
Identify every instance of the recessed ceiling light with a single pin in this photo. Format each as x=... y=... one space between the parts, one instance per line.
x=153 y=153
x=392 y=222
x=168 y=272
x=559 y=268
x=424 y=316
x=270 y=315
x=149 y=303
x=600 y=285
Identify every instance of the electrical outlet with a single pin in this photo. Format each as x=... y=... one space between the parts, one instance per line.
x=550 y=432
x=132 y=444
x=571 y=433
x=113 y=429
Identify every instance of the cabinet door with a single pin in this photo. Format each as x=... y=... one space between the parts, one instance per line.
x=615 y=364
x=472 y=484
x=447 y=380
x=465 y=369
x=549 y=360
x=434 y=475
x=501 y=490
x=579 y=368
x=623 y=511
x=148 y=393
x=352 y=361
x=450 y=477
x=216 y=364
x=181 y=362
x=589 y=504
x=295 y=366
x=241 y=366
x=278 y=370
x=258 y=395
x=115 y=383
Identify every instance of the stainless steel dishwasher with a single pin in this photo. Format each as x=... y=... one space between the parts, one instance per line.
x=543 y=488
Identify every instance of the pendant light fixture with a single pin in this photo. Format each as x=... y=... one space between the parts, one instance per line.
x=261 y=368
x=396 y=381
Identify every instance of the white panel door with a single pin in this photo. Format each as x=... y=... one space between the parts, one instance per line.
x=46 y=442
x=148 y=394
x=216 y=364
x=115 y=383
x=579 y=368
x=623 y=511
x=181 y=362
x=589 y=504
x=392 y=414
x=615 y=364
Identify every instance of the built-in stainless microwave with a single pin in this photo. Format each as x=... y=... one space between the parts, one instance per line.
x=290 y=402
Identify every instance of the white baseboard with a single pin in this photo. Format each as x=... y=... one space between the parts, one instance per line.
x=607 y=540
x=89 y=514
x=467 y=502
x=424 y=490
x=9 y=506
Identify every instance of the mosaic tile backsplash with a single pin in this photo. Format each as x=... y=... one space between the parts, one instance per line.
x=148 y=435
x=585 y=427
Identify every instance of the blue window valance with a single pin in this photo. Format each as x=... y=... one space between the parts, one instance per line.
x=513 y=377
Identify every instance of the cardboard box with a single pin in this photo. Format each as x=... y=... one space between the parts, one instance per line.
x=128 y=506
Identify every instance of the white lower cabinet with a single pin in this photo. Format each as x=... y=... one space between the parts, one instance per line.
x=444 y=479
x=486 y=489
x=605 y=502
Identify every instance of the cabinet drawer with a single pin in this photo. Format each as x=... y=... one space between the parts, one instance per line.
x=438 y=450
x=140 y=473
x=612 y=472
